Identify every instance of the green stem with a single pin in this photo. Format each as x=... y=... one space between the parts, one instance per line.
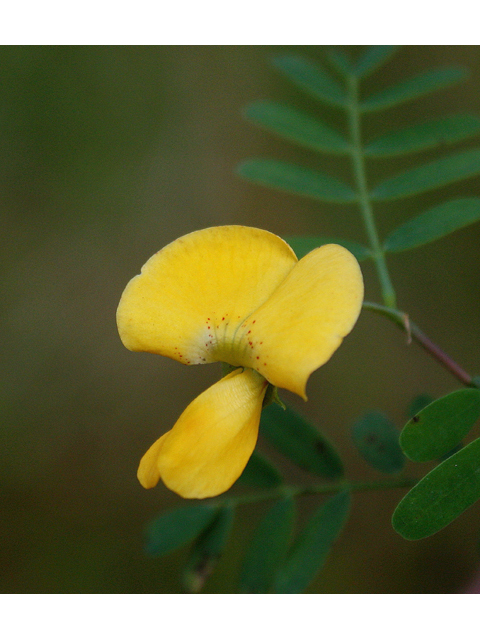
x=402 y=320
x=376 y=248
x=291 y=490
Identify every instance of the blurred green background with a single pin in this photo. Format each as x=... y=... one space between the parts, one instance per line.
x=107 y=154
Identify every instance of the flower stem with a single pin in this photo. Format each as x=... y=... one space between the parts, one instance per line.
x=402 y=320
x=376 y=248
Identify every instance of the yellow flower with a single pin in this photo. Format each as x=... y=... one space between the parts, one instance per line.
x=237 y=295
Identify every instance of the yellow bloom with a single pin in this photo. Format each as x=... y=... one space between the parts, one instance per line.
x=237 y=295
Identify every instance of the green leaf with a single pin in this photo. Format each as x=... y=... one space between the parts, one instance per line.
x=441 y=496
x=208 y=549
x=300 y=441
x=340 y=61
x=376 y=438
x=413 y=88
x=373 y=58
x=425 y=135
x=430 y=176
x=260 y=472
x=437 y=429
x=268 y=548
x=296 y=126
x=304 y=244
x=310 y=550
x=312 y=78
x=418 y=403
x=433 y=224
x=177 y=527
x=297 y=180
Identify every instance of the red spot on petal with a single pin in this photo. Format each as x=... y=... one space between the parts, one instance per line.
x=254 y=322
x=223 y=318
x=258 y=357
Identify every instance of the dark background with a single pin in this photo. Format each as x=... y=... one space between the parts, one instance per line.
x=109 y=153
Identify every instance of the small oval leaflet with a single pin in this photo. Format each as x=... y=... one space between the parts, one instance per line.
x=268 y=547
x=296 y=126
x=177 y=527
x=376 y=439
x=300 y=441
x=441 y=496
x=311 y=77
x=413 y=88
x=310 y=550
x=207 y=549
x=260 y=472
x=434 y=224
x=439 y=427
x=295 y=179
x=425 y=177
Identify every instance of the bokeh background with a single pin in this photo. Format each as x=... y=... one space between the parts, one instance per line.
x=107 y=154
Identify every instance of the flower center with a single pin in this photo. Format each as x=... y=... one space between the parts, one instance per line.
x=232 y=340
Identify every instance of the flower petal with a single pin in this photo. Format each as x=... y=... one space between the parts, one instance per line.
x=193 y=295
x=304 y=321
x=212 y=441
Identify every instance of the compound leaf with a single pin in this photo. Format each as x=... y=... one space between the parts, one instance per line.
x=439 y=427
x=309 y=552
x=433 y=224
x=430 y=176
x=441 y=496
x=296 y=126
x=413 y=88
x=297 y=180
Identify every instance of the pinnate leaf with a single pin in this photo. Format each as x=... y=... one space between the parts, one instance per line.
x=295 y=179
x=304 y=244
x=177 y=527
x=373 y=58
x=413 y=88
x=425 y=135
x=300 y=441
x=268 y=547
x=441 y=496
x=296 y=126
x=376 y=439
x=430 y=176
x=434 y=224
x=309 y=552
x=311 y=77
x=207 y=549
x=260 y=472
x=439 y=427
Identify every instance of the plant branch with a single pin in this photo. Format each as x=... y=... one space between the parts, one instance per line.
x=283 y=491
x=376 y=248
x=402 y=320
